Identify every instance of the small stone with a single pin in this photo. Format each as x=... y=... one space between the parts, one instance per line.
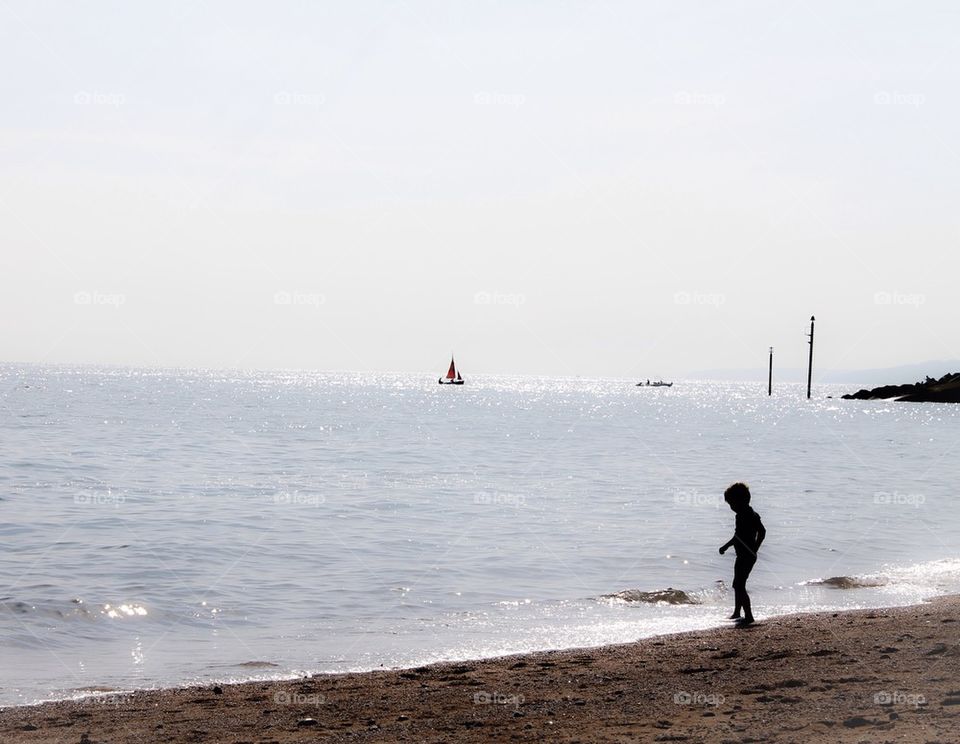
x=218 y=690
x=307 y=722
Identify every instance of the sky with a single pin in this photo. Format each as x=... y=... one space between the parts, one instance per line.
x=628 y=189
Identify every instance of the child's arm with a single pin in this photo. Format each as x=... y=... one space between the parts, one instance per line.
x=729 y=543
x=761 y=533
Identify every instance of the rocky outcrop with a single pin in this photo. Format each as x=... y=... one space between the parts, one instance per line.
x=944 y=390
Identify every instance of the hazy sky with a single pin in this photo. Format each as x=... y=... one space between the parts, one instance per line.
x=635 y=189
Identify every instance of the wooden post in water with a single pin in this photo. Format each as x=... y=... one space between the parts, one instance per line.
x=810 y=365
x=770 y=374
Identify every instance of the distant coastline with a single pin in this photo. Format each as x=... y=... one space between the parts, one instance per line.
x=867 y=377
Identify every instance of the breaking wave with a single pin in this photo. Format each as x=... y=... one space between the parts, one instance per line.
x=847 y=582
x=667 y=596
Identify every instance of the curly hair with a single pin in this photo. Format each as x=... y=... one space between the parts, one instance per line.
x=738 y=493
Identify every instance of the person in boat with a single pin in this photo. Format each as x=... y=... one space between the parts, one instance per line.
x=747 y=538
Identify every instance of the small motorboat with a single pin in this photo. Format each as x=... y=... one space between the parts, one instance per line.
x=658 y=383
x=453 y=375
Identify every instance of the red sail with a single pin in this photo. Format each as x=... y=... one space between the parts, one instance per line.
x=452 y=372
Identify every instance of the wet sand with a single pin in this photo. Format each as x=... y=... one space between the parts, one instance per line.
x=874 y=675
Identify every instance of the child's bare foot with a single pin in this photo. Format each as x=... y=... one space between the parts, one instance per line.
x=745 y=621
x=734 y=616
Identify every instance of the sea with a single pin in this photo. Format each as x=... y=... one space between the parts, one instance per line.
x=161 y=528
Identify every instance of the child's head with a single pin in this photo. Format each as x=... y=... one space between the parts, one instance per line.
x=738 y=496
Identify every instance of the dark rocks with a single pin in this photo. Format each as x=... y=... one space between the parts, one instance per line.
x=791 y=683
x=944 y=390
x=857 y=722
x=731 y=654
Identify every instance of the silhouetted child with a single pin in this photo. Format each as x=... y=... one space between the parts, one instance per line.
x=746 y=540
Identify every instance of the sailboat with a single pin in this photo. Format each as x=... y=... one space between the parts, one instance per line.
x=453 y=375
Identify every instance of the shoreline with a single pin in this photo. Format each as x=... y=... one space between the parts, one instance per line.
x=879 y=673
x=99 y=692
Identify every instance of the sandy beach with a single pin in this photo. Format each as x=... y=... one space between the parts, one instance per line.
x=868 y=675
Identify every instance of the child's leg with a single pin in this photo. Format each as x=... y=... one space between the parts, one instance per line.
x=745 y=567
x=736 y=591
x=741 y=570
x=747 y=614
x=737 y=605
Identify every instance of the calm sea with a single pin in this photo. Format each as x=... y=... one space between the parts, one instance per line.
x=159 y=528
